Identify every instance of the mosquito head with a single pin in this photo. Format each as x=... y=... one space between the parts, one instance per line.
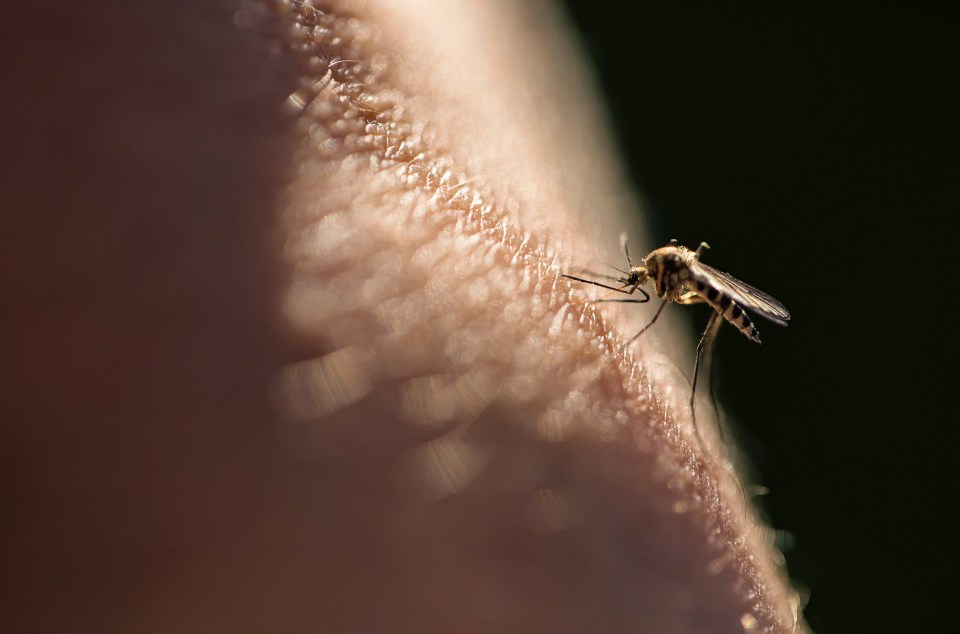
x=636 y=276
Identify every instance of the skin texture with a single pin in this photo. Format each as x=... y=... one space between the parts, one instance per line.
x=312 y=365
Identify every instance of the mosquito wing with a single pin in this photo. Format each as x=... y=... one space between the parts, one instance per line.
x=747 y=296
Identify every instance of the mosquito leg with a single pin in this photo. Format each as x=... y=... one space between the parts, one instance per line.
x=707 y=348
x=709 y=369
x=691 y=298
x=706 y=343
x=652 y=321
x=707 y=365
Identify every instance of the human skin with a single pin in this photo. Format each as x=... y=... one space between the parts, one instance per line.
x=313 y=367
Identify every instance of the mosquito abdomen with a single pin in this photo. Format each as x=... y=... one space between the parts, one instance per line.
x=729 y=309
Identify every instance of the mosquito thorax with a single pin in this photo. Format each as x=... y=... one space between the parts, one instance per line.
x=668 y=260
x=667 y=266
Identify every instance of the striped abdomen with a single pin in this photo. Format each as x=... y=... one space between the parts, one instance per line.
x=730 y=310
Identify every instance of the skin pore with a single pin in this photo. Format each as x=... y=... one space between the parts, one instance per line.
x=312 y=366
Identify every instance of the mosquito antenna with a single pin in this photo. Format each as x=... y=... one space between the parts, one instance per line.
x=602 y=275
x=624 y=248
x=586 y=281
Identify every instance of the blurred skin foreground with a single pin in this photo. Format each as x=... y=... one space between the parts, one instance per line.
x=290 y=349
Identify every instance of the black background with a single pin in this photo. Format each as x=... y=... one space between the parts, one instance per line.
x=815 y=150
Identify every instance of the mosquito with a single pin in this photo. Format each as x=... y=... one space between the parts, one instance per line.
x=680 y=277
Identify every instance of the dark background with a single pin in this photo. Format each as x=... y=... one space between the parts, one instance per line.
x=815 y=150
